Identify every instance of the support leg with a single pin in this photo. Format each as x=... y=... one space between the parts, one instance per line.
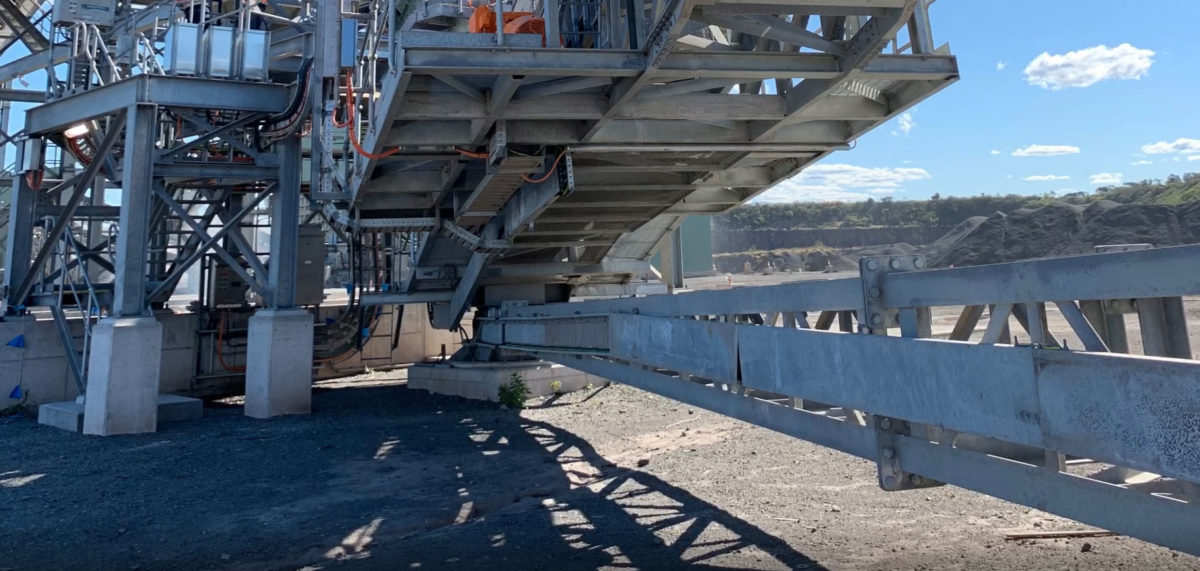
x=279 y=362
x=123 y=367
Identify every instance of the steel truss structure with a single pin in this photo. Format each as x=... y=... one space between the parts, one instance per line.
x=1084 y=432
x=692 y=107
x=510 y=171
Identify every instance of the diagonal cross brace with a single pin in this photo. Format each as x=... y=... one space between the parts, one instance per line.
x=64 y=219
x=209 y=242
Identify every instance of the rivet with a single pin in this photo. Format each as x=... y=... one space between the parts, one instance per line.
x=876 y=319
x=896 y=263
x=875 y=292
x=918 y=262
x=889 y=452
x=872 y=265
x=889 y=482
x=885 y=423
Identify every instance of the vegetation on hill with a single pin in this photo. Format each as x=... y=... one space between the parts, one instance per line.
x=1176 y=189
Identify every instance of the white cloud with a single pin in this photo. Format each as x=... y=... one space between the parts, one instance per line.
x=1194 y=158
x=905 y=125
x=1107 y=178
x=1180 y=145
x=1089 y=66
x=841 y=182
x=1000 y=65
x=1045 y=151
x=1046 y=177
x=1144 y=162
x=995 y=152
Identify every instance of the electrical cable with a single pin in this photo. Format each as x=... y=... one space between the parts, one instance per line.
x=548 y=173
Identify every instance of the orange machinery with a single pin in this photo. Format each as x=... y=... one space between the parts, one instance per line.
x=483 y=21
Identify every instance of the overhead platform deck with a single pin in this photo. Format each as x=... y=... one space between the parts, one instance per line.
x=710 y=105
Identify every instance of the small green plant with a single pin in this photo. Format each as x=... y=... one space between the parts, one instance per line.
x=556 y=386
x=514 y=393
x=589 y=386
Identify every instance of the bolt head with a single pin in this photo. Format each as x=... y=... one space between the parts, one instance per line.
x=889 y=482
x=895 y=263
x=874 y=292
x=915 y=480
x=889 y=452
x=918 y=262
x=885 y=423
x=876 y=319
x=872 y=265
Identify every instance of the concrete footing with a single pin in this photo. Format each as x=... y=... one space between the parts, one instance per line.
x=279 y=368
x=482 y=381
x=68 y=415
x=123 y=371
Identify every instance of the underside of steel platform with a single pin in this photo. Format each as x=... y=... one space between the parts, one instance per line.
x=506 y=158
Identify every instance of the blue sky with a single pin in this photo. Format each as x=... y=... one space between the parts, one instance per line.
x=1130 y=111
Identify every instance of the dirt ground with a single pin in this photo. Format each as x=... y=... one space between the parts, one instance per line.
x=383 y=477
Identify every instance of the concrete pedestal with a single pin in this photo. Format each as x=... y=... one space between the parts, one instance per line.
x=123 y=370
x=279 y=370
x=68 y=415
x=482 y=381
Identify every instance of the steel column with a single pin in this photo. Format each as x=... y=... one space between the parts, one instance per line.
x=137 y=197
x=285 y=227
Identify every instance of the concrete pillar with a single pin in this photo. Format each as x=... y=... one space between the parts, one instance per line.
x=123 y=370
x=279 y=363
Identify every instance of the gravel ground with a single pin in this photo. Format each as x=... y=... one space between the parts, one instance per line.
x=382 y=477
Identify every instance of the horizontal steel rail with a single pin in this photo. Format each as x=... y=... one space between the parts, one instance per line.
x=988 y=416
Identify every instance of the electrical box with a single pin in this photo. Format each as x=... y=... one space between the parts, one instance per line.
x=349 y=53
x=310 y=265
x=226 y=288
x=182 y=51
x=256 y=53
x=98 y=12
x=29 y=154
x=219 y=40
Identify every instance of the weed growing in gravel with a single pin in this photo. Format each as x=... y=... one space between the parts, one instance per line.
x=556 y=386
x=514 y=393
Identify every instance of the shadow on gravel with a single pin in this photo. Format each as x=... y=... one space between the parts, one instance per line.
x=379 y=477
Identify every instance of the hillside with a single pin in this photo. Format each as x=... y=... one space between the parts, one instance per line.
x=950 y=211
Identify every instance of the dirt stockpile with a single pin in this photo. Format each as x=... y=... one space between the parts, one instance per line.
x=1061 y=229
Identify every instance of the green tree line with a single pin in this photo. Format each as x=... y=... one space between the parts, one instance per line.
x=948 y=211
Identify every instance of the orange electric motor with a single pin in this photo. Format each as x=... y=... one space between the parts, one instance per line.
x=483 y=21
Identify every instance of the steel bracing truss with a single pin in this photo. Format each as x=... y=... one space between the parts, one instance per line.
x=515 y=167
x=693 y=107
x=1074 y=428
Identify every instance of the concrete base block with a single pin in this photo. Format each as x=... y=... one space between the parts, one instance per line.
x=68 y=415
x=174 y=408
x=65 y=415
x=123 y=371
x=279 y=371
x=482 y=381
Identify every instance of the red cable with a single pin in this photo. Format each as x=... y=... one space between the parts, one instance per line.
x=548 y=173
x=354 y=136
x=467 y=153
x=349 y=89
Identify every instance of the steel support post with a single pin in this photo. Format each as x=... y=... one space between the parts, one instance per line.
x=18 y=250
x=280 y=337
x=285 y=227
x=137 y=194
